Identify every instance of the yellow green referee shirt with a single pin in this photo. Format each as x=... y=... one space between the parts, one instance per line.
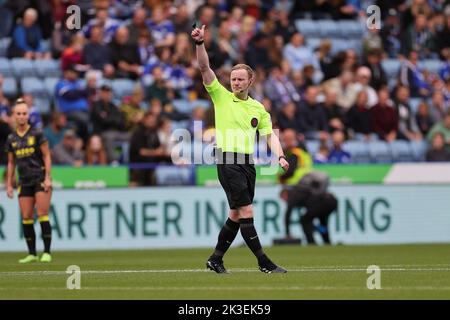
x=237 y=120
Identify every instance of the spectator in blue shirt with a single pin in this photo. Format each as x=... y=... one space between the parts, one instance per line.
x=337 y=153
x=103 y=21
x=298 y=55
x=71 y=97
x=163 y=31
x=27 y=38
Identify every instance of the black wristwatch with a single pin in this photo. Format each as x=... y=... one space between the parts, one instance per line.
x=282 y=157
x=198 y=43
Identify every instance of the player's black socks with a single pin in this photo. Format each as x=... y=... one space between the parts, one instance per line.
x=46 y=233
x=226 y=237
x=29 y=235
x=250 y=236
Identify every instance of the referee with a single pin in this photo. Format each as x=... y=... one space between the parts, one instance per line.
x=237 y=118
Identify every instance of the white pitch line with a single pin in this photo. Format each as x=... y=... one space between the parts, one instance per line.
x=229 y=288
x=307 y=269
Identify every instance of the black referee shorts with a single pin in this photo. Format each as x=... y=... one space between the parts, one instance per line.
x=237 y=180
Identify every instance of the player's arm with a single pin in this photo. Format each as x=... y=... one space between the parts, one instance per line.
x=202 y=56
x=45 y=150
x=274 y=143
x=10 y=175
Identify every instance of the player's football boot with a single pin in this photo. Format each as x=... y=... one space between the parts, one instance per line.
x=216 y=266
x=267 y=266
x=29 y=258
x=46 y=257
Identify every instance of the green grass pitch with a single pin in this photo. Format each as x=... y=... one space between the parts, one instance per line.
x=339 y=272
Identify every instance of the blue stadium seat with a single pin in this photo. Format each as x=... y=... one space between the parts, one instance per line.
x=23 y=67
x=391 y=67
x=340 y=45
x=48 y=68
x=46 y=45
x=184 y=124
x=6 y=68
x=43 y=105
x=358 y=151
x=205 y=104
x=10 y=87
x=4 y=44
x=34 y=86
x=353 y=29
x=171 y=175
x=401 y=151
x=432 y=65
x=329 y=28
x=50 y=85
x=123 y=87
x=312 y=146
x=414 y=104
x=182 y=105
x=379 y=152
x=313 y=43
x=419 y=149
x=308 y=28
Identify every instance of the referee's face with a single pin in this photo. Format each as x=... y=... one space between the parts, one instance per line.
x=239 y=80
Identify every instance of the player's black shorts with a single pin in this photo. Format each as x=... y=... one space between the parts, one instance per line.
x=30 y=190
x=238 y=181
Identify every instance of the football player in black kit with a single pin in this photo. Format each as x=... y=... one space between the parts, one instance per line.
x=28 y=149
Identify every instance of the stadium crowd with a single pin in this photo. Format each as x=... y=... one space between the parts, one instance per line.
x=327 y=92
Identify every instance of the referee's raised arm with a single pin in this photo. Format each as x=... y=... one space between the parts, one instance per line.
x=202 y=56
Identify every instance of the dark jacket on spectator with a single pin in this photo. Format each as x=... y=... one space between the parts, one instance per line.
x=97 y=55
x=143 y=138
x=359 y=120
x=384 y=120
x=106 y=116
x=312 y=118
x=437 y=155
x=128 y=53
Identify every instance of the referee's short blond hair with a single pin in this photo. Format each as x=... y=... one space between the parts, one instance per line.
x=250 y=72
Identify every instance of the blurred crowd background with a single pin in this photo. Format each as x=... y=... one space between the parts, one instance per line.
x=114 y=91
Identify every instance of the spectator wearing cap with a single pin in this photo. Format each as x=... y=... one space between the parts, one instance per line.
x=391 y=33
x=69 y=150
x=72 y=100
x=362 y=77
x=27 y=38
x=384 y=117
x=373 y=62
x=108 y=122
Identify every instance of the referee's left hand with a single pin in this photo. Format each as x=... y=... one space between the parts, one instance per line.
x=284 y=164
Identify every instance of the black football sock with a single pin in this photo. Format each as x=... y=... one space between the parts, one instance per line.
x=250 y=236
x=225 y=239
x=46 y=232
x=29 y=235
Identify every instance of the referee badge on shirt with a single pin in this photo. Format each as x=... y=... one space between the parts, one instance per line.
x=254 y=122
x=30 y=141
